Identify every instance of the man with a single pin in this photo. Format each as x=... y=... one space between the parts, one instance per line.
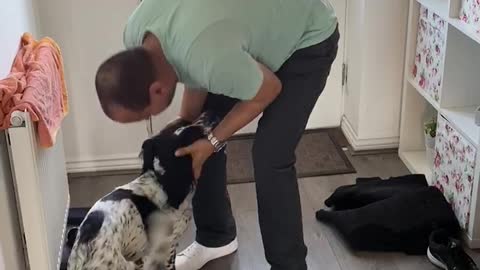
x=240 y=58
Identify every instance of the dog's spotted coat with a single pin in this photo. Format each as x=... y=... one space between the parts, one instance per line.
x=137 y=225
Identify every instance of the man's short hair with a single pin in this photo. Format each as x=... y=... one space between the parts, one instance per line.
x=125 y=79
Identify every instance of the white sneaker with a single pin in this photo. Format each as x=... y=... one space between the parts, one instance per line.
x=196 y=256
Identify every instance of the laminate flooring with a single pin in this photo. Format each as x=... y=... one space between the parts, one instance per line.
x=326 y=249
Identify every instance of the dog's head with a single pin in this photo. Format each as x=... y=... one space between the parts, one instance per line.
x=175 y=174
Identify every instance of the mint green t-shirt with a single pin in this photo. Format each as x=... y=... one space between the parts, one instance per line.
x=214 y=44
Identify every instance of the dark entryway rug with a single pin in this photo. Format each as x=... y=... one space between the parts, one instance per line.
x=317 y=154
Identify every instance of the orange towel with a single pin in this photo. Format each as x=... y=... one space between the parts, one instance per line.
x=36 y=84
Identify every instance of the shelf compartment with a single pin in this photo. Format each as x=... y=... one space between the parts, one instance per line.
x=416 y=162
x=465 y=28
x=422 y=92
x=441 y=7
x=415 y=112
x=461 y=82
x=464 y=16
x=454 y=169
x=428 y=65
x=469 y=14
x=463 y=120
x=457 y=17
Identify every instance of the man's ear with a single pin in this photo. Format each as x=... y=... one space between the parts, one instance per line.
x=155 y=89
x=158 y=93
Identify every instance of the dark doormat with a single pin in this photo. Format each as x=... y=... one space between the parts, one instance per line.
x=318 y=154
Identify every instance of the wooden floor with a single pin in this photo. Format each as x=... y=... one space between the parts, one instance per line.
x=326 y=249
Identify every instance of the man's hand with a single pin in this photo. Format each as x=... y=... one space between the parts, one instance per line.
x=200 y=151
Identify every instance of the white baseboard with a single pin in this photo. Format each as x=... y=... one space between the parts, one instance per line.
x=363 y=144
x=471 y=243
x=106 y=163
x=132 y=162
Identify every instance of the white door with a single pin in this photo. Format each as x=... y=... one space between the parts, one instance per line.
x=329 y=108
x=328 y=111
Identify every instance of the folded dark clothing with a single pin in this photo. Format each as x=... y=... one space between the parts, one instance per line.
x=369 y=190
x=363 y=180
x=399 y=223
x=409 y=178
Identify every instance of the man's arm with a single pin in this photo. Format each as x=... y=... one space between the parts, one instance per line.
x=246 y=111
x=192 y=104
x=241 y=114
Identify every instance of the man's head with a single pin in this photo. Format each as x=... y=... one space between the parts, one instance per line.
x=132 y=86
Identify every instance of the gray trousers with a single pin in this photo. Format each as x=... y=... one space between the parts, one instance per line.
x=303 y=77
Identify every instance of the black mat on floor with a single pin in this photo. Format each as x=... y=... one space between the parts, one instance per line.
x=318 y=153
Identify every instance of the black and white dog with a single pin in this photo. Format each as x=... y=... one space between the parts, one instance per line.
x=137 y=226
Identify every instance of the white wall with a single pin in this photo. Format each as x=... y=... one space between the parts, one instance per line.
x=17 y=17
x=375 y=53
x=89 y=31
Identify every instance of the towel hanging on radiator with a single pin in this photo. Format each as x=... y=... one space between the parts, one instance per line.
x=36 y=84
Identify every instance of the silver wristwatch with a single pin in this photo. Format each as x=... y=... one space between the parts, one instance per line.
x=218 y=145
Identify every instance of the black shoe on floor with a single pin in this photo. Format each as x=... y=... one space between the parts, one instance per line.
x=447 y=253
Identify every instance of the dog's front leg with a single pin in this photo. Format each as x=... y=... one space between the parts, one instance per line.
x=160 y=238
x=158 y=257
x=182 y=221
x=183 y=217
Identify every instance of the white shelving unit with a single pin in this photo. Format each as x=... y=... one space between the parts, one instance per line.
x=458 y=96
x=463 y=119
x=428 y=98
x=416 y=162
x=441 y=7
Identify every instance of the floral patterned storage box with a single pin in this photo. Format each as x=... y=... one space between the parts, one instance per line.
x=470 y=13
x=430 y=53
x=453 y=171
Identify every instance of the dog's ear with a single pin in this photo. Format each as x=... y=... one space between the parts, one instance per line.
x=189 y=135
x=148 y=154
x=178 y=178
x=173 y=126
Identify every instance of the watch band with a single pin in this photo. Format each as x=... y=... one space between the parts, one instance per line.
x=218 y=145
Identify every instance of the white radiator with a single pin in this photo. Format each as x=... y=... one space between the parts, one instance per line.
x=41 y=188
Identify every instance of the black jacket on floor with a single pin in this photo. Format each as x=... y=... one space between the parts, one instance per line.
x=389 y=216
x=369 y=190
